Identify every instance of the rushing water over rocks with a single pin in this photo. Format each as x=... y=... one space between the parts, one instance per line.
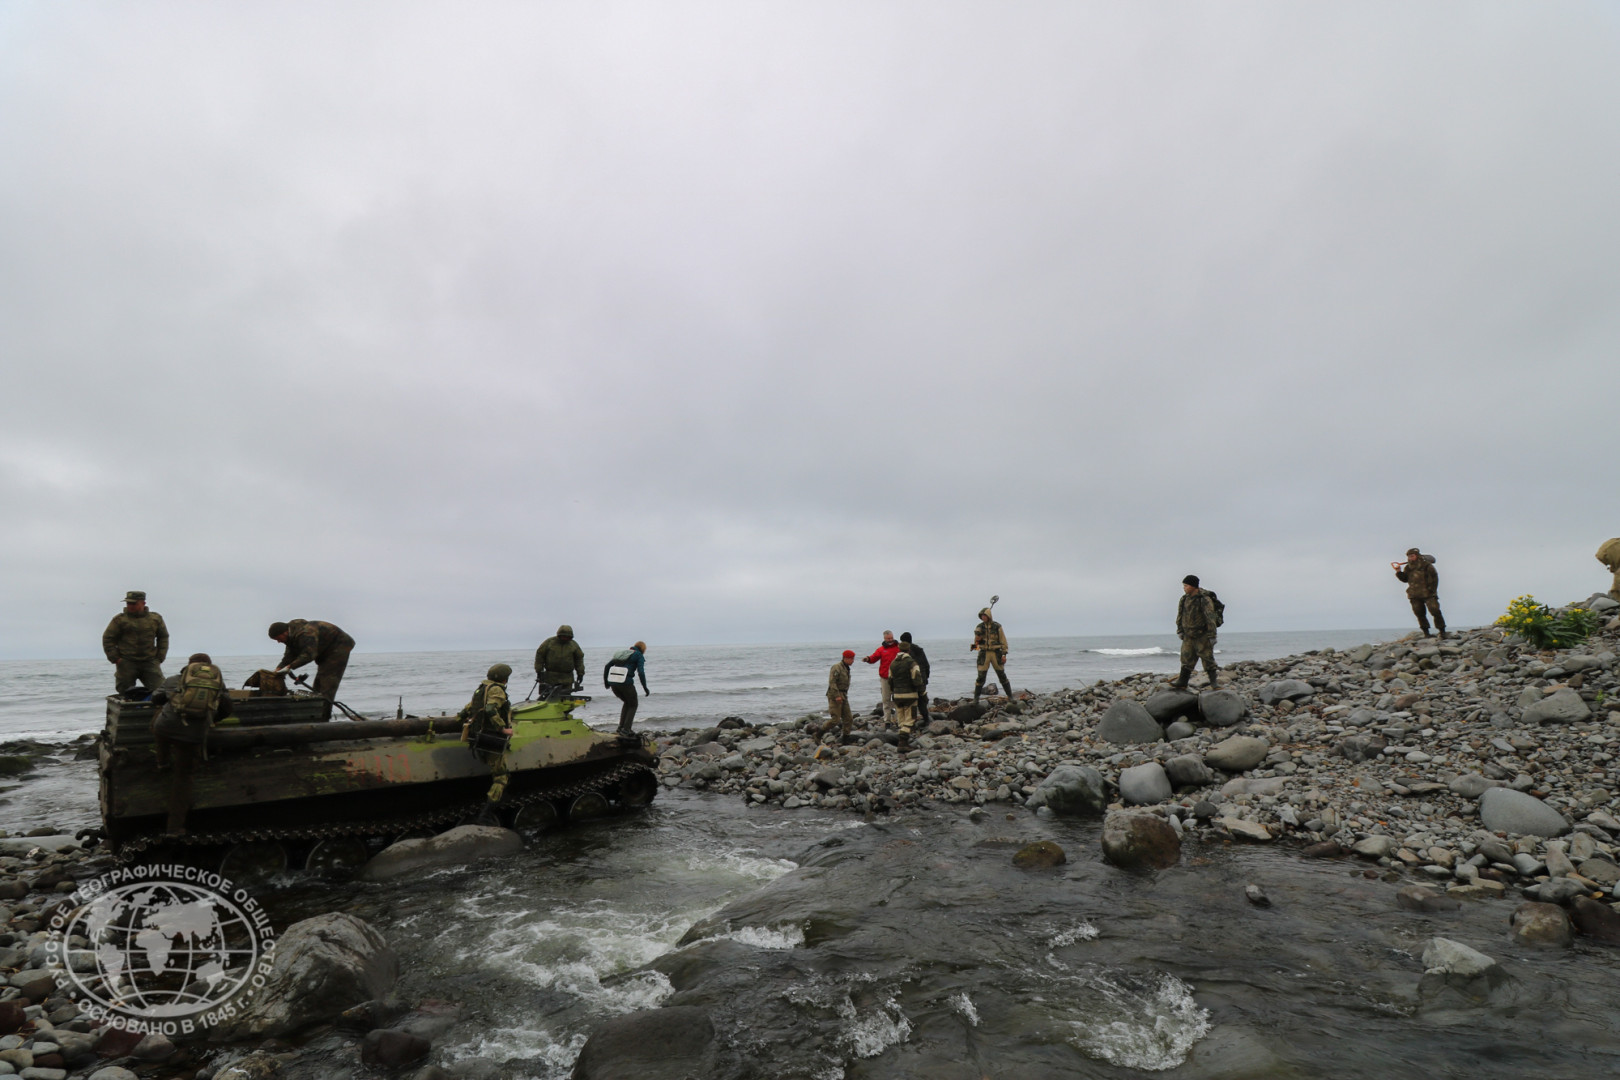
x=821 y=947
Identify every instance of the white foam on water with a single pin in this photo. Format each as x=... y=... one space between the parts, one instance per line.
x=531 y=1044
x=1150 y=1027
x=740 y=865
x=964 y=1005
x=870 y=1034
x=1152 y=651
x=1083 y=931
x=763 y=937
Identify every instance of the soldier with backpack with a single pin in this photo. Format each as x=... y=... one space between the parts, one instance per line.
x=192 y=702
x=1198 y=616
x=486 y=726
x=619 y=676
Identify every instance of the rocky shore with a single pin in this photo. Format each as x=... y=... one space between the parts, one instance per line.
x=1466 y=770
x=1476 y=766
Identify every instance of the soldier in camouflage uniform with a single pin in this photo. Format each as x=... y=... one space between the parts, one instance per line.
x=1422 y=589
x=906 y=685
x=179 y=738
x=490 y=713
x=838 y=693
x=311 y=640
x=559 y=661
x=1196 y=623
x=990 y=641
x=136 y=643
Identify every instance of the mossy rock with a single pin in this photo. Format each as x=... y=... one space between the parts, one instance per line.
x=15 y=765
x=1039 y=856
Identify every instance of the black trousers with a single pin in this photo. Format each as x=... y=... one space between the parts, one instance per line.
x=626 y=692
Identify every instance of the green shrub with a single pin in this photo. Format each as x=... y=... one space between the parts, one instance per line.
x=1537 y=624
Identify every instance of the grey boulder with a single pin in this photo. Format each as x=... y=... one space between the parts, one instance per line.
x=321 y=967
x=1071 y=790
x=1360 y=748
x=1442 y=956
x=678 y=1040
x=1126 y=722
x=1237 y=754
x=1168 y=705
x=1505 y=810
x=1188 y=770
x=1472 y=785
x=1143 y=784
x=1222 y=708
x=1561 y=707
x=1295 y=690
x=1139 y=839
x=463 y=844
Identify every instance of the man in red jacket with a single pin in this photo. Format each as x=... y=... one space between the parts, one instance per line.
x=883 y=656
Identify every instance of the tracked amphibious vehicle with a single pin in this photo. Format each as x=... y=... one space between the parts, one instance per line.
x=283 y=789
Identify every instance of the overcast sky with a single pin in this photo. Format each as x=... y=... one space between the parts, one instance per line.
x=786 y=322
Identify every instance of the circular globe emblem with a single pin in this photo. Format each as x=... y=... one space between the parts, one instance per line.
x=161 y=950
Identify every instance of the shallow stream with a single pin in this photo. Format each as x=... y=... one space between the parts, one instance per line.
x=827 y=947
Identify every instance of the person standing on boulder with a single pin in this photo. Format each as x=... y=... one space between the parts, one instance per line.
x=1197 y=618
x=838 y=694
x=619 y=676
x=906 y=682
x=923 y=672
x=883 y=656
x=1422 y=589
x=990 y=641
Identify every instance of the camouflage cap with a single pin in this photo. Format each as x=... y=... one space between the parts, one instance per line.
x=500 y=672
x=565 y=630
x=135 y=596
x=278 y=628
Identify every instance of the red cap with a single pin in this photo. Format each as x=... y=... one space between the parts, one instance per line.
x=849 y=654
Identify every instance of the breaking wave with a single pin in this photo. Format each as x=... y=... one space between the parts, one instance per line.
x=1151 y=651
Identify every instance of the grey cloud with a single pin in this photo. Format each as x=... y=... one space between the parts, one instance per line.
x=731 y=323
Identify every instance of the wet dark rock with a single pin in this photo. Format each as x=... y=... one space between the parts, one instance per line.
x=15 y=765
x=322 y=967
x=651 y=1045
x=153 y=1047
x=1139 y=839
x=1556 y=891
x=992 y=732
x=255 y=1066
x=942 y=727
x=1596 y=920
x=1255 y=895
x=1423 y=898
x=1203 y=809
x=114 y=1042
x=1071 y=790
x=1222 y=708
x=830 y=777
x=456 y=847
x=968 y=713
x=391 y=1048
x=1126 y=722
x=1326 y=849
x=1542 y=924
x=1041 y=855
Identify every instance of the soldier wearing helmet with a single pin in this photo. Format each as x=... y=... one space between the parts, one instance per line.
x=489 y=714
x=559 y=661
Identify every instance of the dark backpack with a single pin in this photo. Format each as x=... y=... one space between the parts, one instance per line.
x=1220 y=608
x=197 y=698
